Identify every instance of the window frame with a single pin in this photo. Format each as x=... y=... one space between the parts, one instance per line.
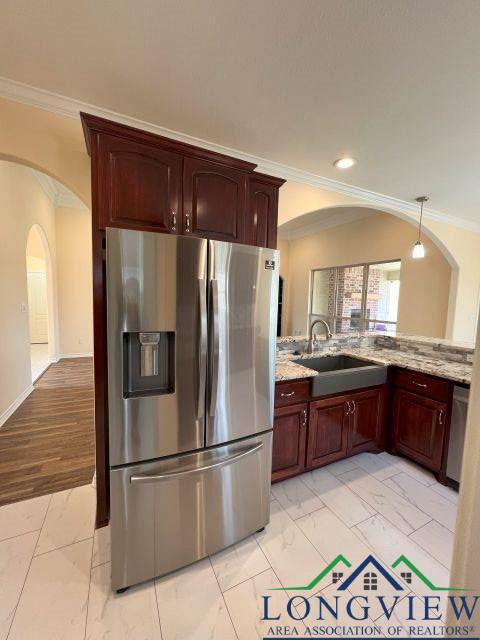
x=362 y=320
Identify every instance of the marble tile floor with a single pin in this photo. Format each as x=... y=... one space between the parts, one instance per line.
x=55 y=569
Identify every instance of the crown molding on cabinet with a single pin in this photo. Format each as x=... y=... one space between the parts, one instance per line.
x=33 y=96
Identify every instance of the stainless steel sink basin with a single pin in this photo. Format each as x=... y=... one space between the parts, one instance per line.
x=342 y=373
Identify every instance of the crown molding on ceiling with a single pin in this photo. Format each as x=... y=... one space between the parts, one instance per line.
x=58 y=198
x=47 y=100
x=334 y=219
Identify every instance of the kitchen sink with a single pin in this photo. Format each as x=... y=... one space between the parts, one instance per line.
x=342 y=373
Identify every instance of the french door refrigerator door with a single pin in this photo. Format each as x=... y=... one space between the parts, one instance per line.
x=157 y=344
x=243 y=301
x=169 y=513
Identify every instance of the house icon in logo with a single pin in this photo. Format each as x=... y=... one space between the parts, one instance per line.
x=369 y=571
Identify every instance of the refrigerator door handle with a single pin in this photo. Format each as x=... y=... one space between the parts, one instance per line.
x=214 y=359
x=173 y=475
x=202 y=347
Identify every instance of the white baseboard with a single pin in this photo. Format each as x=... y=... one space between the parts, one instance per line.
x=75 y=355
x=15 y=404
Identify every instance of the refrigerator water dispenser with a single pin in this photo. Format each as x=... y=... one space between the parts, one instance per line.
x=149 y=363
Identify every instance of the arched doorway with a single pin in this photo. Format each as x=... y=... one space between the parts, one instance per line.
x=40 y=298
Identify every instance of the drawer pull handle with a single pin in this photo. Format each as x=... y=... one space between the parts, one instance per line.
x=441 y=416
x=304 y=412
x=173 y=475
x=419 y=384
x=287 y=395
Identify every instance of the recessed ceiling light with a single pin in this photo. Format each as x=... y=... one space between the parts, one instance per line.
x=344 y=163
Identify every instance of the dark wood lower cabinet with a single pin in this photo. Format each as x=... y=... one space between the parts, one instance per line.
x=289 y=438
x=367 y=421
x=413 y=413
x=419 y=427
x=338 y=426
x=327 y=431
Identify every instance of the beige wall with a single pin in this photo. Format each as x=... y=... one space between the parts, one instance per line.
x=464 y=245
x=459 y=244
x=73 y=228
x=283 y=247
x=425 y=284
x=22 y=204
x=47 y=141
x=54 y=144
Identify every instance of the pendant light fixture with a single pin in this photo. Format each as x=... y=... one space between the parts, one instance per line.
x=418 y=250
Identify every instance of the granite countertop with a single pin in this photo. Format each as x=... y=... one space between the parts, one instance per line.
x=286 y=369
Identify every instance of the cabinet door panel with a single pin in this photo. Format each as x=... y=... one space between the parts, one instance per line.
x=141 y=187
x=419 y=427
x=327 y=431
x=214 y=200
x=367 y=421
x=289 y=437
x=262 y=214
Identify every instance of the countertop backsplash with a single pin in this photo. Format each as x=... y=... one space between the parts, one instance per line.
x=436 y=348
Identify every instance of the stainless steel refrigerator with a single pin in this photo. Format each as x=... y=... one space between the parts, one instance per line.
x=191 y=348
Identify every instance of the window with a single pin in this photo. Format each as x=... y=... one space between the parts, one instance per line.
x=360 y=297
x=370 y=581
x=337 y=576
x=407 y=576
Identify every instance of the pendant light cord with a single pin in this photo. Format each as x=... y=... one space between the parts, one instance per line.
x=420 y=224
x=422 y=202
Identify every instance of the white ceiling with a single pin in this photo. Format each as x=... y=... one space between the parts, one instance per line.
x=303 y=82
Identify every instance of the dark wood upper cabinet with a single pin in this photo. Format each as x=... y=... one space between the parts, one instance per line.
x=214 y=200
x=144 y=181
x=289 y=439
x=142 y=186
x=327 y=431
x=419 y=427
x=262 y=210
x=367 y=420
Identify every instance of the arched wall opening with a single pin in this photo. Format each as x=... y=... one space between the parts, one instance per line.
x=344 y=235
x=61 y=226
x=42 y=301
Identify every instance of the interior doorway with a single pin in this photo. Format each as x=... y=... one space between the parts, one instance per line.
x=37 y=282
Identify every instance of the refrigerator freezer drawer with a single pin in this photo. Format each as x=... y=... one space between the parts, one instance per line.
x=170 y=513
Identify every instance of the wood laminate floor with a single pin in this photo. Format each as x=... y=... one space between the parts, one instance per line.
x=47 y=445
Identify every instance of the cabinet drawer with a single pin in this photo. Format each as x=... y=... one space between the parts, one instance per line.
x=291 y=392
x=423 y=384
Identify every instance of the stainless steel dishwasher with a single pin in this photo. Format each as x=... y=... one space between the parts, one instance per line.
x=457 y=432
